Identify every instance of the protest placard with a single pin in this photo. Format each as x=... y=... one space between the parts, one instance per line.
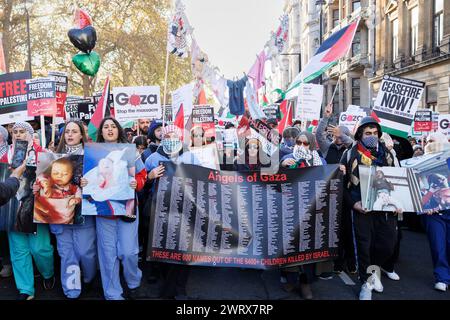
x=272 y=111
x=444 y=124
x=80 y=108
x=61 y=91
x=203 y=115
x=396 y=104
x=219 y=218
x=41 y=96
x=423 y=120
x=349 y=119
x=13 y=97
x=133 y=103
x=309 y=101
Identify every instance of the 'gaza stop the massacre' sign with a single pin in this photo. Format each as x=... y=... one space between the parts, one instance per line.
x=397 y=103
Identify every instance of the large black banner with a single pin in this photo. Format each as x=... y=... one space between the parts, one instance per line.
x=245 y=219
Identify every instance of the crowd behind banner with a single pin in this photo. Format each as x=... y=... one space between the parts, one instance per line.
x=106 y=194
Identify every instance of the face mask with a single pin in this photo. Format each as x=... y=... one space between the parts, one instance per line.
x=171 y=145
x=370 y=142
x=289 y=143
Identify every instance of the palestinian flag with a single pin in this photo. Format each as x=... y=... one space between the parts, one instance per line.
x=286 y=112
x=99 y=112
x=327 y=56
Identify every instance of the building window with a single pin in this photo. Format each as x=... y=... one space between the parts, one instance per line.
x=438 y=22
x=335 y=18
x=414 y=30
x=356 y=92
x=356 y=45
x=431 y=97
x=394 y=39
x=356 y=5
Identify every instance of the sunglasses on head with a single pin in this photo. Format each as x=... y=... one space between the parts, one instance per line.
x=305 y=143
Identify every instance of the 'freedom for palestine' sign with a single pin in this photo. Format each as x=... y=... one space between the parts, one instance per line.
x=397 y=103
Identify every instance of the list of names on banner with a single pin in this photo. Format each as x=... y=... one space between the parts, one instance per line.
x=209 y=217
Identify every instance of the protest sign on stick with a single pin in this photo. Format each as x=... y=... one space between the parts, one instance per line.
x=396 y=104
x=13 y=97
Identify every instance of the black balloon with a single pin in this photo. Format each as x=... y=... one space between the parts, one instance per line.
x=83 y=39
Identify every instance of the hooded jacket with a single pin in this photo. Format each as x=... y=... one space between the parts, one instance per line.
x=331 y=151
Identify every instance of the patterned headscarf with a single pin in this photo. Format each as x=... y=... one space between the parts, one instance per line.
x=169 y=129
x=4 y=143
x=26 y=126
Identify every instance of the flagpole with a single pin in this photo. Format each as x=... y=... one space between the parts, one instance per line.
x=43 y=137
x=165 y=87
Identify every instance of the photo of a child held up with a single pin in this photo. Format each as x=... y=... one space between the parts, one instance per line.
x=436 y=191
x=389 y=189
x=383 y=188
x=57 y=192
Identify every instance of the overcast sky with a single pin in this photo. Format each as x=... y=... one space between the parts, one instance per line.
x=232 y=32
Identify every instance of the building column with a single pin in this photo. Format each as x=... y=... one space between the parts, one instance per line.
x=425 y=29
x=446 y=37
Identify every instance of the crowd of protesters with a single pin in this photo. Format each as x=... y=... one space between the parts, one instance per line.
x=107 y=246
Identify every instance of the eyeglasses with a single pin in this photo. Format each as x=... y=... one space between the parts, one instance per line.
x=199 y=135
x=305 y=143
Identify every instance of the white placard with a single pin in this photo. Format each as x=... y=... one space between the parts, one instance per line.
x=133 y=103
x=309 y=101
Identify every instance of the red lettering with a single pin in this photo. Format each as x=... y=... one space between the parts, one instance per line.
x=16 y=85
x=23 y=87
x=9 y=88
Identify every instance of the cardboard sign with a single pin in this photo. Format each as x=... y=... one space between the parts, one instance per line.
x=444 y=124
x=350 y=119
x=61 y=91
x=309 y=101
x=203 y=115
x=423 y=120
x=13 y=97
x=396 y=104
x=133 y=103
x=434 y=124
x=41 y=93
x=272 y=111
x=81 y=108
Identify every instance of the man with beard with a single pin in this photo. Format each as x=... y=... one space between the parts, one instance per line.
x=375 y=232
x=143 y=126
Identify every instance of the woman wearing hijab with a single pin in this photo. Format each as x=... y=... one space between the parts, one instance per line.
x=304 y=155
x=76 y=243
x=117 y=234
x=25 y=246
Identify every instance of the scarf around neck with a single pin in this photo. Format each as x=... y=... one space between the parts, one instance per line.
x=73 y=149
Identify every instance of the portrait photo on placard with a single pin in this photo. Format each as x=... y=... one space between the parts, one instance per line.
x=57 y=189
x=109 y=169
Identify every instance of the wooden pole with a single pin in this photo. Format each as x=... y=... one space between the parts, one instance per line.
x=165 y=88
x=43 y=140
